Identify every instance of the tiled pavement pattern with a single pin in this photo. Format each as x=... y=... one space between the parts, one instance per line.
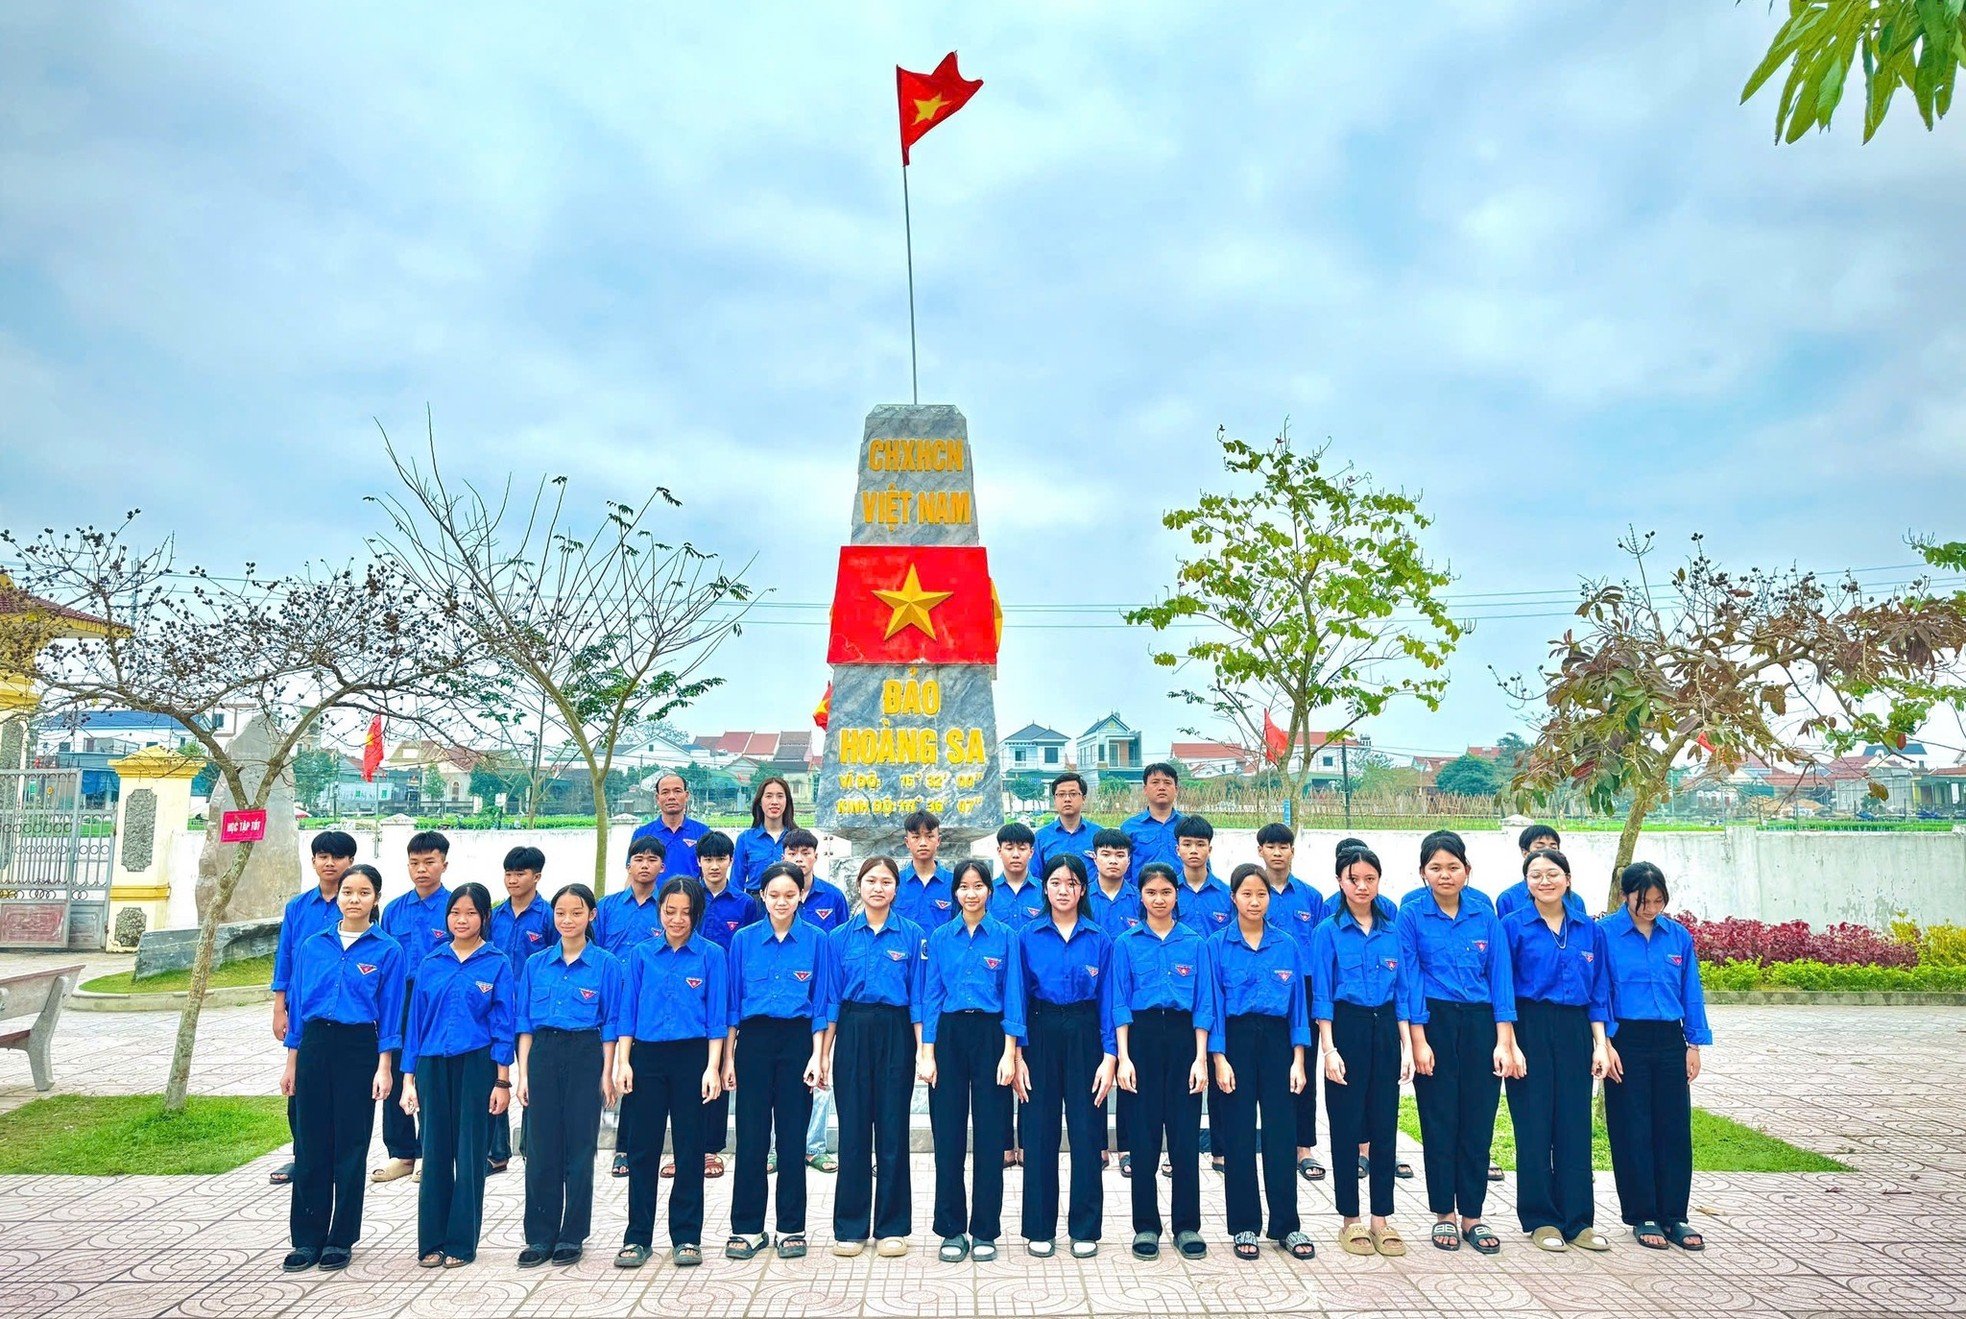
x=1881 y=1087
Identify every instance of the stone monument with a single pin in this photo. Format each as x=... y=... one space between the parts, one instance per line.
x=912 y=724
x=273 y=874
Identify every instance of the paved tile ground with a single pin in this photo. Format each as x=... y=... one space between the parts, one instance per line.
x=1880 y=1087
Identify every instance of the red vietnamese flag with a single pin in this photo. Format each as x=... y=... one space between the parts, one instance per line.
x=372 y=750
x=929 y=98
x=1276 y=742
x=823 y=712
x=913 y=604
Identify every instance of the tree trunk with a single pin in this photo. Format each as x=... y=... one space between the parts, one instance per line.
x=600 y=835
x=1628 y=843
x=179 y=1083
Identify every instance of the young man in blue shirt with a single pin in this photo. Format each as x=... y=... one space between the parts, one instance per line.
x=672 y=827
x=520 y=926
x=926 y=896
x=1070 y=831
x=418 y=920
x=311 y=912
x=1152 y=830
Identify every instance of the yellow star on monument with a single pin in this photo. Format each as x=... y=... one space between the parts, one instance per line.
x=911 y=605
x=927 y=110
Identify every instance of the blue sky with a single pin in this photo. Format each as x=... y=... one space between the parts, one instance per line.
x=1531 y=260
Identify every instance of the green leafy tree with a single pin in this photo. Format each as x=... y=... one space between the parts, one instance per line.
x=1026 y=787
x=1916 y=45
x=1712 y=667
x=1469 y=776
x=314 y=771
x=1314 y=594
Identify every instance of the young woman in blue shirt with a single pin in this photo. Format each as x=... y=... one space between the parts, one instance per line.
x=1258 y=1032
x=457 y=1063
x=763 y=844
x=1461 y=1014
x=668 y=1064
x=571 y=997
x=1360 y=1007
x=874 y=1013
x=1070 y=1056
x=1660 y=1026
x=343 y=1022
x=1161 y=1017
x=972 y=1018
x=1563 y=1004
x=775 y=1058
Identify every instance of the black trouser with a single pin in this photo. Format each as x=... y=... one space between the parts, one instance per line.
x=1161 y=1042
x=873 y=1081
x=500 y=1149
x=453 y=1094
x=1550 y=1107
x=668 y=1079
x=968 y=1046
x=1259 y=1052
x=1306 y=1099
x=1063 y=1056
x=562 y=1129
x=399 y=1129
x=716 y=1119
x=334 y=1116
x=1364 y=1110
x=772 y=1053
x=1457 y=1105
x=1649 y=1117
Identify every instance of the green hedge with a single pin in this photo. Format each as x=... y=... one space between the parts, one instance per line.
x=1819 y=975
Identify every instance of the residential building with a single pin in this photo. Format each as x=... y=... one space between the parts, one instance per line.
x=1034 y=749
x=1110 y=746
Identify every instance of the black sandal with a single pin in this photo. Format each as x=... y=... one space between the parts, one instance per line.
x=1683 y=1236
x=1299 y=1245
x=282 y=1175
x=688 y=1256
x=792 y=1246
x=631 y=1257
x=1640 y=1231
x=1246 y=1247
x=740 y=1247
x=1445 y=1236
x=1403 y=1170
x=620 y=1168
x=1483 y=1239
x=1310 y=1170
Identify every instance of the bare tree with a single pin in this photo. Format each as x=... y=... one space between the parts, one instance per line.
x=182 y=643
x=609 y=627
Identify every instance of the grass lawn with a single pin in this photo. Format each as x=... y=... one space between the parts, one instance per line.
x=252 y=971
x=110 y=1135
x=1719 y=1144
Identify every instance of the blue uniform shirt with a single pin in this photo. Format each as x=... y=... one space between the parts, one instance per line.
x=724 y=914
x=1152 y=972
x=780 y=977
x=825 y=906
x=1517 y=896
x=678 y=844
x=877 y=966
x=418 y=924
x=980 y=970
x=1570 y=968
x=621 y=923
x=1119 y=913
x=755 y=852
x=1017 y=907
x=1245 y=981
x=1296 y=909
x=1207 y=910
x=303 y=917
x=1656 y=979
x=461 y=1006
x=676 y=993
x=1066 y=971
x=1153 y=840
x=1053 y=842
x=354 y=985
x=1464 y=960
x=1348 y=965
x=926 y=902
x=588 y=993
x=520 y=936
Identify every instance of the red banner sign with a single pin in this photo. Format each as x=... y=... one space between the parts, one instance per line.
x=242 y=826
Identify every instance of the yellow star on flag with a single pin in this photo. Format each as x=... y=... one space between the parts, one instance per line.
x=911 y=605
x=926 y=110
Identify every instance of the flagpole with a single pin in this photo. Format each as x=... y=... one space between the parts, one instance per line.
x=908 y=228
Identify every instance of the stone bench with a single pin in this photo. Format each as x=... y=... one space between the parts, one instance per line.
x=30 y=1005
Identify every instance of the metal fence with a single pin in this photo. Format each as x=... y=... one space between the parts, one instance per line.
x=55 y=854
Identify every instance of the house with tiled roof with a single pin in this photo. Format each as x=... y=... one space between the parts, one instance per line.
x=1034 y=749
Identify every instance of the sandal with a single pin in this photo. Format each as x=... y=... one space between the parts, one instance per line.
x=1190 y=1245
x=1483 y=1239
x=453 y=1262
x=713 y=1165
x=281 y=1175
x=982 y=1252
x=1445 y=1236
x=620 y=1168
x=740 y=1246
x=1245 y=1245
x=1683 y=1236
x=954 y=1250
x=1011 y=1159
x=1650 y=1235
x=1126 y=1165
x=1310 y=1170
x=1355 y=1240
x=631 y=1257
x=1548 y=1238
x=434 y=1260
x=688 y=1255
x=1494 y=1172
x=1084 y=1249
x=1386 y=1241
x=1041 y=1249
x=822 y=1163
x=1299 y=1246
x=392 y=1170
x=1146 y=1245
x=792 y=1246
x=1403 y=1170
x=1590 y=1239
x=669 y=1168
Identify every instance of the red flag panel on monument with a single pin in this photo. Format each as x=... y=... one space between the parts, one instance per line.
x=913 y=604
x=929 y=98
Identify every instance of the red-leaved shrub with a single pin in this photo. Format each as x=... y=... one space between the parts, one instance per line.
x=1736 y=939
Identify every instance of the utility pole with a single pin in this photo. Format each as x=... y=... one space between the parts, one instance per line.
x=1345 y=768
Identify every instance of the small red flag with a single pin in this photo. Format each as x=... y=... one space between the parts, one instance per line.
x=823 y=712
x=1704 y=743
x=929 y=98
x=1276 y=742
x=372 y=750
